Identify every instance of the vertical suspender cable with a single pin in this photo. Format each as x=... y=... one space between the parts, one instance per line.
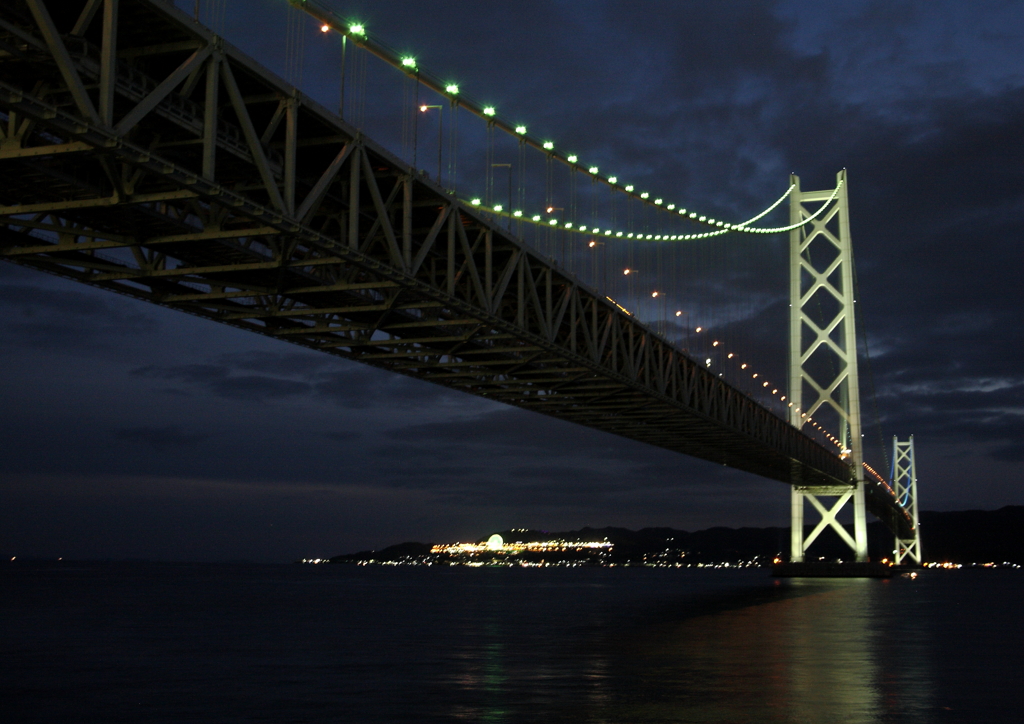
x=453 y=139
x=415 y=120
x=488 y=173
x=341 y=93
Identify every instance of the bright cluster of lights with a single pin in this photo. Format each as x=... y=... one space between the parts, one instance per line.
x=491 y=546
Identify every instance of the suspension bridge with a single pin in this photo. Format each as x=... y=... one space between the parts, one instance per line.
x=143 y=154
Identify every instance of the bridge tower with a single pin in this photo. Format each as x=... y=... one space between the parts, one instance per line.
x=904 y=483
x=823 y=378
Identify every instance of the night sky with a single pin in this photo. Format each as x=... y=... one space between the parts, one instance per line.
x=131 y=431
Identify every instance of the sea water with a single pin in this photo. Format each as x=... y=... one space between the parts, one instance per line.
x=119 y=642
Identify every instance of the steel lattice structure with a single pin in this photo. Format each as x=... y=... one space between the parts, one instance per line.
x=818 y=330
x=823 y=366
x=142 y=154
x=904 y=483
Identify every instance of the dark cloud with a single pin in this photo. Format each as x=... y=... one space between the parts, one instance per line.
x=1013 y=453
x=510 y=427
x=49 y=315
x=191 y=373
x=161 y=439
x=218 y=380
x=298 y=364
x=258 y=387
x=342 y=435
x=340 y=382
x=360 y=387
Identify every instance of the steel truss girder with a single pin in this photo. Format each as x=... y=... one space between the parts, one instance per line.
x=337 y=245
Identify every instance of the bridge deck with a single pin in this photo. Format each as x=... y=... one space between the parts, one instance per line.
x=171 y=167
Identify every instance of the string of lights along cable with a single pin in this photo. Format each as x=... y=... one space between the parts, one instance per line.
x=657 y=259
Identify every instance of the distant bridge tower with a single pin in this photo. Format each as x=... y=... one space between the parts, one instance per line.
x=823 y=379
x=904 y=483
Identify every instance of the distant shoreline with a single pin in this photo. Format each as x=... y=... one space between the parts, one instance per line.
x=973 y=538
